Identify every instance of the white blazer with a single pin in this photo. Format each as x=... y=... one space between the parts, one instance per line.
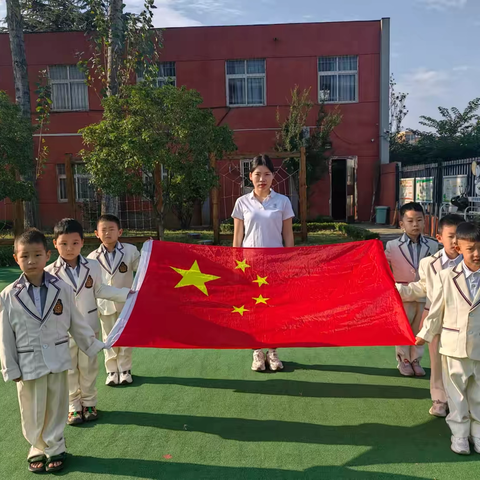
x=32 y=346
x=454 y=315
x=119 y=275
x=90 y=287
x=400 y=260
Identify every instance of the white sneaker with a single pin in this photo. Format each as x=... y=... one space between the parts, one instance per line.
x=273 y=361
x=258 y=363
x=438 y=409
x=476 y=443
x=460 y=445
x=112 y=379
x=126 y=377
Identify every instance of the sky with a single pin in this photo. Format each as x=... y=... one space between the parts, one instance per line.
x=435 y=54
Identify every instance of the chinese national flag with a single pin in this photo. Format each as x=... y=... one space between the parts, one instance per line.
x=196 y=296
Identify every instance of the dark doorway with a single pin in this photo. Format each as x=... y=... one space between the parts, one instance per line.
x=339 y=189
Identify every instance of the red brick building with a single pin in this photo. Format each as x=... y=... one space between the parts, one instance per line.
x=244 y=73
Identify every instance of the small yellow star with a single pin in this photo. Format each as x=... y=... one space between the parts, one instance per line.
x=240 y=310
x=260 y=299
x=261 y=281
x=242 y=265
x=194 y=277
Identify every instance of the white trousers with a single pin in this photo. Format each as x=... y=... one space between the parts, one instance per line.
x=461 y=377
x=44 y=411
x=117 y=359
x=414 y=311
x=437 y=390
x=82 y=379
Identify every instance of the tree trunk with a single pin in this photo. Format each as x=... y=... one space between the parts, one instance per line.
x=22 y=93
x=111 y=204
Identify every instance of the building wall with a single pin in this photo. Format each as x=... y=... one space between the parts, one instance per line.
x=291 y=53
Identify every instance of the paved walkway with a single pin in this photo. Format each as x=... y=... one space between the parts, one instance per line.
x=386 y=232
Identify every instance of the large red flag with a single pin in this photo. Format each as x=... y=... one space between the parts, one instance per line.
x=195 y=296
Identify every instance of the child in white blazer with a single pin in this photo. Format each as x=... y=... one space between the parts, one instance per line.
x=118 y=261
x=455 y=316
x=37 y=313
x=85 y=277
x=448 y=257
x=404 y=255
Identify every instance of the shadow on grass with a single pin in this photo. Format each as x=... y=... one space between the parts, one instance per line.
x=425 y=443
x=293 y=388
x=138 y=468
x=374 y=371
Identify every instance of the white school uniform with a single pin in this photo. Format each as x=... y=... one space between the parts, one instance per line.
x=405 y=270
x=423 y=290
x=455 y=316
x=86 y=281
x=263 y=221
x=34 y=347
x=117 y=271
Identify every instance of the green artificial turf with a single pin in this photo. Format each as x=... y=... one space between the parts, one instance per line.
x=334 y=413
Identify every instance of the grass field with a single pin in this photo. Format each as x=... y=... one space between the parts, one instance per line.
x=202 y=414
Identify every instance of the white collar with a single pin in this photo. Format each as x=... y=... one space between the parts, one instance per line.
x=468 y=272
x=28 y=284
x=407 y=239
x=105 y=251
x=446 y=259
x=269 y=196
x=65 y=265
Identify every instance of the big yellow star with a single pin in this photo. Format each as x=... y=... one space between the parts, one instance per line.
x=261 y=281
x=242 y=265
x=260 y=299
x=240 y=310
x=194 y=277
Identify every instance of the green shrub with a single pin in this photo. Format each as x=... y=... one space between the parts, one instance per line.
x=6 y=256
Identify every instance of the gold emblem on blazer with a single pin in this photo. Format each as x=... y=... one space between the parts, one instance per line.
x=89 y=282
x=58 y=308
x=123 y=268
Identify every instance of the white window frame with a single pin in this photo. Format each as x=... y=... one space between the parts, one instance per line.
x=338 y=73
x=245 y=166
x=245 y=76
x=76 y=178
x=162 y=78
x=69 y=82
x=61 y=176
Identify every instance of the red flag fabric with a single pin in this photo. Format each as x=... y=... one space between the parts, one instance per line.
x=196 y=296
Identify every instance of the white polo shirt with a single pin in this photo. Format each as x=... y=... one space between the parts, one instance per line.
x=263 y=222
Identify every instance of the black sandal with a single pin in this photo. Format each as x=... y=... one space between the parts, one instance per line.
x=56 y=458
x=37 y=459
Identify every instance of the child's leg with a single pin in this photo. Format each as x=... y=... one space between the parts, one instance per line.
x=416 y=353
x=56 y=414
x=473 y=392
x=88 y=367
x=32 y=398
x=437 y=390
x=74 y=391
x=403 y=352
x=108 y=321
x=124 y=359
x=456 y=375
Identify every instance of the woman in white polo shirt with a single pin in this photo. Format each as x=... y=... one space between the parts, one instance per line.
x=263 y=218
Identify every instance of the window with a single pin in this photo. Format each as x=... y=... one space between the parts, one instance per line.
x=166 y=74
x=338 y=79
x=69 y=88
x=84 y=190
x=245 y=82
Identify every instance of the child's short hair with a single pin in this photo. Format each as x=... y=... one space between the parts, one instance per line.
x=66 y=226
x=450 y=220
x=108 y=217
x=29 y=237
x=468 y=231
x=411 y=207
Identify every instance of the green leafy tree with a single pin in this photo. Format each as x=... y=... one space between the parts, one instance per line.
x=152 y=127
x=16 y=146
x=294 y=134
